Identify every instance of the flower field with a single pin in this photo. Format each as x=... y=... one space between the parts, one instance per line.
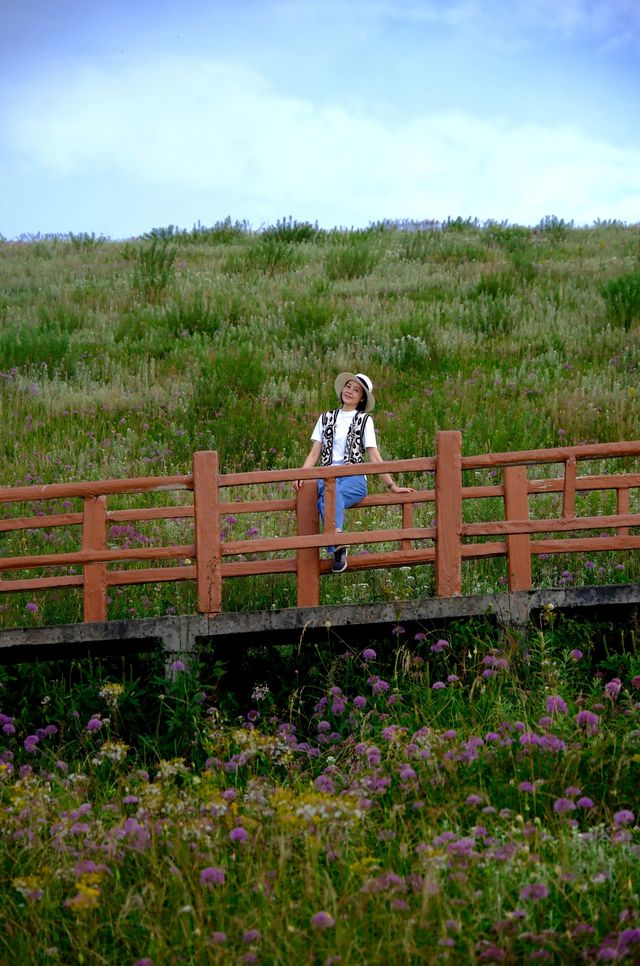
x=464 y=799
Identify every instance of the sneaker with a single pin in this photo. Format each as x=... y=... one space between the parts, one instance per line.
x=339 y=560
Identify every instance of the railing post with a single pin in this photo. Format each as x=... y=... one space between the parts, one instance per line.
x=569 y=489
x=448 y=513
x=206 y=502
x=516 y=507
x=94 y=537
x=308 y=558
x=622 y=506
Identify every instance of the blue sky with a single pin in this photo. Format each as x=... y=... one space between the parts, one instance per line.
x=119 y=117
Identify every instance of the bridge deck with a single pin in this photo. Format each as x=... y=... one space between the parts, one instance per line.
x=352 y=623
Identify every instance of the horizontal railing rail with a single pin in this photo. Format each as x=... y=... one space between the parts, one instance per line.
x=209 y=557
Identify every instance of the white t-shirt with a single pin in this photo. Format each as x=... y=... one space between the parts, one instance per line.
x=340 y=430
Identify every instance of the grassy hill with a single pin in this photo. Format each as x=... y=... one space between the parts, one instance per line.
x=468 y=799
x=121 y=359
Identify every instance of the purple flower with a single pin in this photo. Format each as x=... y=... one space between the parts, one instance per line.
x=378 y=685
x=635 y=681
x=526 y=787
x=251 y=935
x=369 y=654
x=623 y=817
x=438 y=685
x=439 y=646
x=238 y=834
x=218 y=938
x=322 y=920
x=584 y=802
x=359 y=701
x=31 y=607
x=177 y=666
x=94 y=724
x=588 y=720
x=556 y=705
x=212 y=876
x=562 y=805
x=576 y=654
x=612 y=688
x=535 y=891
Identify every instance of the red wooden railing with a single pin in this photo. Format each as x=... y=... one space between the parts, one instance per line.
x=442 y=544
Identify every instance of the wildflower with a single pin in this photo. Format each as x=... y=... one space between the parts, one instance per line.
x=111 y=693
x=30 y=744
x=576 y=654
x=584 y=802
x=322 y=920
x=251 y=935
x=438 y=685
x=218 y=938
x=378 y=686
x=238 y=834
x=439 y=646
x=535 y=891
x=562 y=805
x=588 y=720
x=260 y=692
x=526 y=787
x=623 y=817
x=359 y=701
x=177 y=666
x=31 y=607
x=473 y=800
x=94 y=724
x=406 y=772
x=369 y=654
x=556 y=705
x=212 y=876
x=29 y=887
x=612 y=688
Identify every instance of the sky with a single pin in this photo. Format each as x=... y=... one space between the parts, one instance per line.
x=120 y=117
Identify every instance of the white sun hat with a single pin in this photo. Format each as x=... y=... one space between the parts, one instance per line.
x=364 y=381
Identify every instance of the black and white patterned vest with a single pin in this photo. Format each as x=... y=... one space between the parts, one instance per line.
x=354 y=444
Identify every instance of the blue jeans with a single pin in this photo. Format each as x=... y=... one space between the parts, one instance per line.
x=349 y=491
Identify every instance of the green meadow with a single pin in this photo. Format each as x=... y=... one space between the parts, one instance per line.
x=461 y=796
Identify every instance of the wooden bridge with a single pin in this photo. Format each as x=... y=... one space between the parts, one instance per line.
x=515 y=531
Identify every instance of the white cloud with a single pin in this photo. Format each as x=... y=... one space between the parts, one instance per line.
x=177 y=126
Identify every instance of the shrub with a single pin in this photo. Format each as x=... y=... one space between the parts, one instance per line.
x=354 y=260
x=292 y=231
x=153 y=267
x=622 y=299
